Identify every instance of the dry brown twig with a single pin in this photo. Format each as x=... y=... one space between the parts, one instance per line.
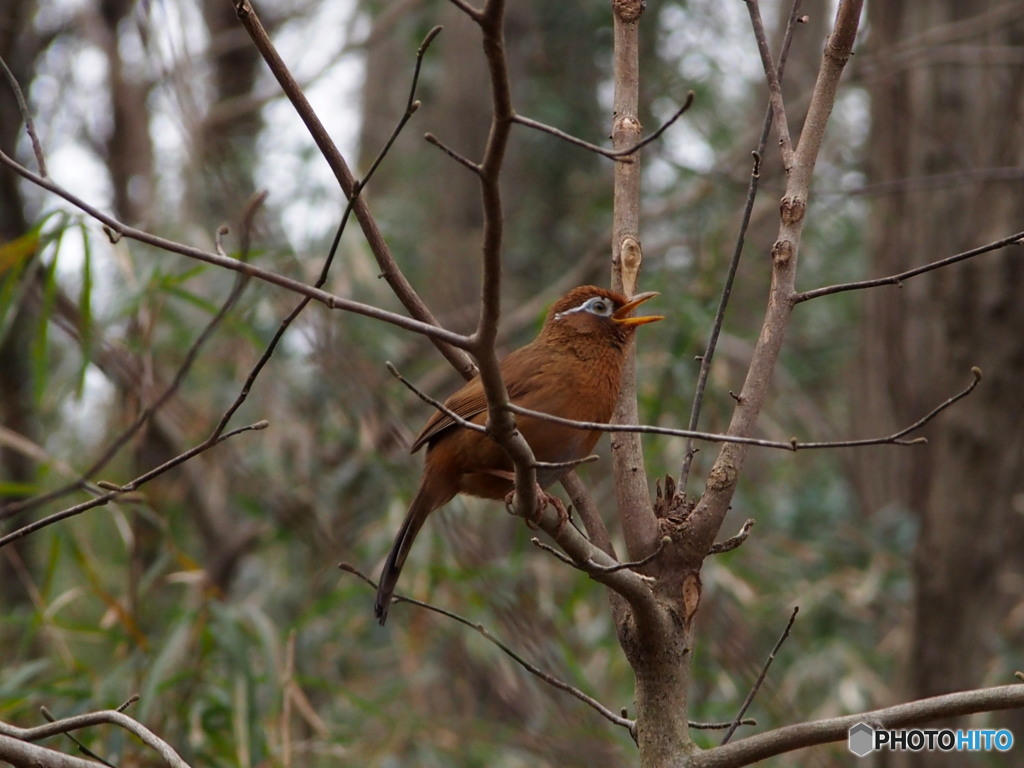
x=504 y=648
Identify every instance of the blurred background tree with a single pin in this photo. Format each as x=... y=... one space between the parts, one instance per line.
x=945 y=172
x=215 y=592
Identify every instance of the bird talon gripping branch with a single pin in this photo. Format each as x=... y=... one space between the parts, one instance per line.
x=573 y=370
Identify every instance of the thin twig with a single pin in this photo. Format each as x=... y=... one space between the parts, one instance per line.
x=592 y=568
x=632 y=564
x=556 y=554
x=778 y=106
x=435 y=403
x=460 y=159
x=117 y=491
x=613 y=154
x=760 y=678
x=895 y=438
x=128 y=702
x=411 y=106
x=531 y=668
x=792 y=445
x=571 y=464
x=1016 y=239
x=26 y=115
x=721 y=726
x=473 y=12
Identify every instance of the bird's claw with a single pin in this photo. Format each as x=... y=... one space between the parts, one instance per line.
x=563 y=513
x=531 y=520
x=543 y=499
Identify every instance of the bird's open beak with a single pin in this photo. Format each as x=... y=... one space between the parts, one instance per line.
x=633 y=303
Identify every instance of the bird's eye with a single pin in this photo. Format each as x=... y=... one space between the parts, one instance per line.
x=599 y=306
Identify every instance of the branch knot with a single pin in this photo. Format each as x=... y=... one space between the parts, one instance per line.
x=629 y=11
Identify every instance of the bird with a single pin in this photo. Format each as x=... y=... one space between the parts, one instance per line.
x=573 y=370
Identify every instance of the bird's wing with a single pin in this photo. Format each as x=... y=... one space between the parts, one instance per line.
x=469 y=401
x=466 y=402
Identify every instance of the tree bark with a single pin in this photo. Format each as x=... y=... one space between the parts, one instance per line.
x=19 y=47
x=946 y=126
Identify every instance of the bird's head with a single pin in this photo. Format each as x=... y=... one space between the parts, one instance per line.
x=589 y=312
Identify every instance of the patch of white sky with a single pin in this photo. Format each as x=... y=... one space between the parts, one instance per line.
x=712 y=42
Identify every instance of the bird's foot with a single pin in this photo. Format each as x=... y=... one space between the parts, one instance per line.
x=531 y=520
x=543 y=499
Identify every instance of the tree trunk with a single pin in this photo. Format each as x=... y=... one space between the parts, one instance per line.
x=944 y=163
x=19 y=47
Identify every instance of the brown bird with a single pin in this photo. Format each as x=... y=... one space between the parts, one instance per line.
x=573 y=369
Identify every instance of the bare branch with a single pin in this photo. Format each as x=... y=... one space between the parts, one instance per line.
x=435 y=403
x=119 y=229
x=777 y=105
x=592 y=567
x=74 y=740
x=753 y=749
x=613 y=154
x=896 y=437
x=720 y=726
x=1016 y=239
x=760 y=678
x=460 y=159
x=115 y=491
x=471 y=11
x=411 y=106
x=531 y=668
x=571 y=464
x=26 y=116
x=19 y=754
x=556 y=554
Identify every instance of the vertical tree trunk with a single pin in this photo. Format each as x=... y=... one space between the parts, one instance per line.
x=946 y=138
x=19 y=46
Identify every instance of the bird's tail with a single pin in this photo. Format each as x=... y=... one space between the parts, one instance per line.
x=425 y=502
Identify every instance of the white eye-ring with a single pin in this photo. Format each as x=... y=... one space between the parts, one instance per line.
x=596 y=305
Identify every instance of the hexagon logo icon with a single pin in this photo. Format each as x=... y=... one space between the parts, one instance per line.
x=861 y=739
